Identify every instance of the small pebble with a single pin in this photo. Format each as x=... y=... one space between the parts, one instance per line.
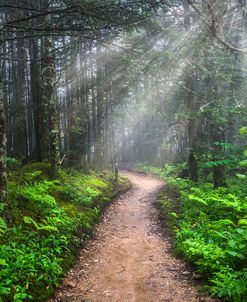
x=186 y=273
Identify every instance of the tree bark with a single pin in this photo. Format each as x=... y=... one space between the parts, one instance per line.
x=3 y=165
x=20 y=132
x=191 y=108
x=36 y=98
x=51 y=108
x=193 y=169
x=100 y=110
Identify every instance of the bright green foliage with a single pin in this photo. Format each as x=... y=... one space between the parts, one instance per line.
x=51 y=220
x=167 y=171
x=31 y=261
x=83 y=189
x=213 y=235
x=243 y=130
x=83 y=197
x=231 y=284
x=38 y=193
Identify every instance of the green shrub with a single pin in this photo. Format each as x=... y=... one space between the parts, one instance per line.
x=230 y=284
x=213 y=234
x=166 y=171
x=12 y=164
x=81 y=196
x=28 y=263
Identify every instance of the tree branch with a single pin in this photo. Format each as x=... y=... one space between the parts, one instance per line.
x=213 y=29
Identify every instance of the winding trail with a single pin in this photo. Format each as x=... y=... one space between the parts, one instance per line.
x=130 y=259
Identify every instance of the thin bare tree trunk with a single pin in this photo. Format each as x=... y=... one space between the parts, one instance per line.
x=51 y=108
x=36 y=98
x=3 y=165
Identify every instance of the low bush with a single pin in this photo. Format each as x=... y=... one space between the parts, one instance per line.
x=213 y=235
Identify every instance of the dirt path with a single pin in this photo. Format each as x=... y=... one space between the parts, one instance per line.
x=130 y=260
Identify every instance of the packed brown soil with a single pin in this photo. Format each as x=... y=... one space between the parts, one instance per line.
x=130 y=258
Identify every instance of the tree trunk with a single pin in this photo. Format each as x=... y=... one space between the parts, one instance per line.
x=36 y=98
x=100 y=110
x=20 y=138
x=50 y=102
x=94 y=119
x=191 y=108
x=3 y=166
x=193 y=169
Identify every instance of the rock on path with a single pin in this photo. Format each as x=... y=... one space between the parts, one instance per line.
x=130 y=260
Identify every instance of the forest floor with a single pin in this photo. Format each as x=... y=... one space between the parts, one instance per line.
x=130 y=258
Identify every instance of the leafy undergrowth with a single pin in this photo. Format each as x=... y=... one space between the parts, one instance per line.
x=51 y=220
x=210 y=227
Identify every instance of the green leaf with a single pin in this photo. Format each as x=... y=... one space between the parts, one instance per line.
x=196 y=198
x=29 y=220
x=49 y=228
x=243 y=163
x=225 y=162
x=242 y=221
x=241 y=176
x=174 y=214
x=222 y=144
x=236 y=254
x=3 y=262
x=243 y=130
x=4 y=290
x=20 y=296
x=239 y=231
x=233 y=253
